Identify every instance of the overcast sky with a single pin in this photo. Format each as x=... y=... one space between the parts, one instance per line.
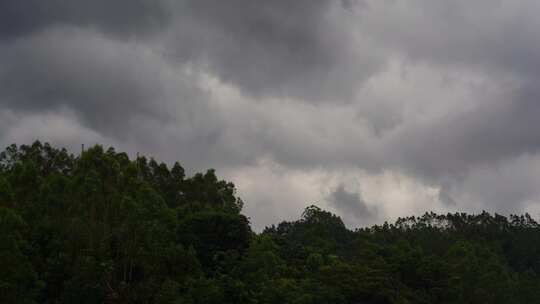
x=372 y=109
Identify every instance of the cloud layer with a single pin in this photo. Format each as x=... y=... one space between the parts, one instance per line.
x=373 y=109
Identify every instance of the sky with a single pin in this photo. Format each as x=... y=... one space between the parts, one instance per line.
x=372 y=109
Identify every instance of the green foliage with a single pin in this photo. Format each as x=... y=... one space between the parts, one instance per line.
x=103 y=228
x=18 y=281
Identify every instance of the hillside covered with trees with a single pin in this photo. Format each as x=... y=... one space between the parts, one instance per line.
x=103 y=228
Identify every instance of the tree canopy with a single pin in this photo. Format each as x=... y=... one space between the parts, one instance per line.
x=100 y=227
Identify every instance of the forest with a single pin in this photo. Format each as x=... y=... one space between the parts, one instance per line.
x=100 y=227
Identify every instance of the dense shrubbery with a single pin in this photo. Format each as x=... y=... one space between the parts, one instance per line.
x=101 y=228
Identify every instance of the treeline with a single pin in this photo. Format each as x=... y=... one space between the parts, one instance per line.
x=103 y=228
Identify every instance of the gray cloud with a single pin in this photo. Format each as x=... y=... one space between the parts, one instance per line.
x=454 y=145
x=511 y=187
x=301 y=49
x=20 y=18
x=352 y=203
x=108 y=83
x=443 y=93
x=495 y=36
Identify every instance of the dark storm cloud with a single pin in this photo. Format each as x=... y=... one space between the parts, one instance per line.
x=497 y=36
x=106 y=82
x=454 y=145
x=301 y=49
x=63 y=55
x=351 y=203
x=125 y=17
